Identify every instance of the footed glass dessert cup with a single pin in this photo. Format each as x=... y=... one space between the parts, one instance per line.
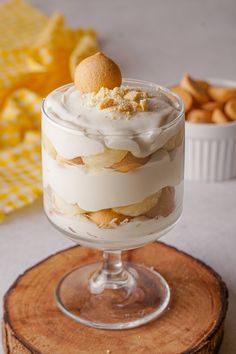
x=113 y=186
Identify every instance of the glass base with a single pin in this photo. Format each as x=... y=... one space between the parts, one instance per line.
x=97 y=299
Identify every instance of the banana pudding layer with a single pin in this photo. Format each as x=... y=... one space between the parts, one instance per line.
x=118 y=119
x=95 y=190
x=133 y=233
x=118 y=227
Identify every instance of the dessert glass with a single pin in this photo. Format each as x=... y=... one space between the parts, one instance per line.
x=122 y=208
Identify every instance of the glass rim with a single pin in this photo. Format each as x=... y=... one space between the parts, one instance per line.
x=124 y=81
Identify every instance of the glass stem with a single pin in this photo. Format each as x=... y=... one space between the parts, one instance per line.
x=112 y=274
x=112 y=263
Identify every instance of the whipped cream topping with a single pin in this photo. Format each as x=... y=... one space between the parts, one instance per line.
x=140 y=132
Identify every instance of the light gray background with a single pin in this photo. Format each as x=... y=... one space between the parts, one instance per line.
x=159 y=41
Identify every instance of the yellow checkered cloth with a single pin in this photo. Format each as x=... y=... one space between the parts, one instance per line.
x=20 y=174
x=37 y=54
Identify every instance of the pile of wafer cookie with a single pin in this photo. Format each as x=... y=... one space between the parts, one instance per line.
x=38 y=53
x=206 y=103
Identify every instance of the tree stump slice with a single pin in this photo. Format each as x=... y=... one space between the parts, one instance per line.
x=192 y=324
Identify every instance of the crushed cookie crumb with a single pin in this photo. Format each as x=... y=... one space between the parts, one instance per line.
x=125 y=107
x=132 y=96
x=108 y=102
x=143 y=105
x=121 y=99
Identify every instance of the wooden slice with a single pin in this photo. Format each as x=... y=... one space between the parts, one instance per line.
x=192 y=324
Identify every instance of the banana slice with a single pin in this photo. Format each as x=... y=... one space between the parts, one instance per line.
x=174 y=142
x=75 y=161
x=48 y=146
x=165 y=205
x=106 y=218
x=66 y=208
x=139 y=208
x=129 y=163
x=105 y=159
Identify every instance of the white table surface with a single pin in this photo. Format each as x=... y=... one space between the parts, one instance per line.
x=154 y=40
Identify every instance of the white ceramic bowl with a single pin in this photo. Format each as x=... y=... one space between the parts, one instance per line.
x=210 y=149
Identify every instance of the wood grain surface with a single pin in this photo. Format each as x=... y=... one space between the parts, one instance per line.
x=192 y=324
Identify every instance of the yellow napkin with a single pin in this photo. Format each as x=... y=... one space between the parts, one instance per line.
x=37 y=54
